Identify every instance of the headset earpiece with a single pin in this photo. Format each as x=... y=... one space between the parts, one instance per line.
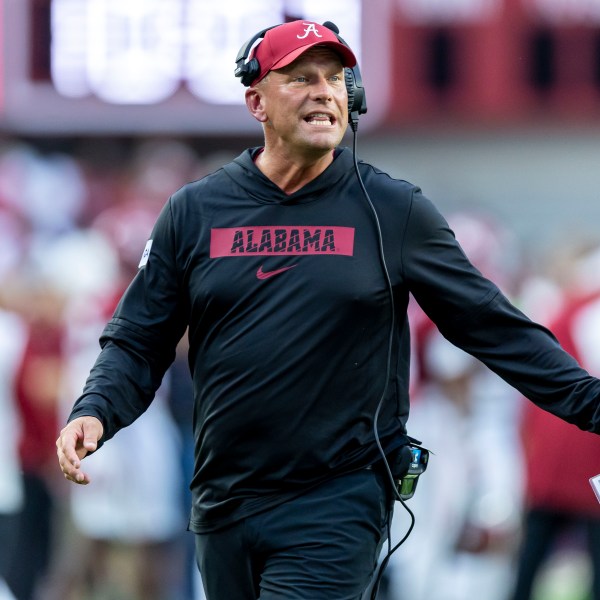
x=248 y=70
x=350 y=87
x=357 y=101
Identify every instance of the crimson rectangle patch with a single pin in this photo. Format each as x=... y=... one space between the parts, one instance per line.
x=292 y=240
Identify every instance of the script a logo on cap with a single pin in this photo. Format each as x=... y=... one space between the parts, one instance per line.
x=310 y=28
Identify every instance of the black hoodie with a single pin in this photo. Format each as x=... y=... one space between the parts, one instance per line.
x=289 y=317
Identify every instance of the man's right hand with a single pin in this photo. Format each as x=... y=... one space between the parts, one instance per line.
x=78 y=438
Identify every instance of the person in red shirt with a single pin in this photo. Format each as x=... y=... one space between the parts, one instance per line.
x=559 y=458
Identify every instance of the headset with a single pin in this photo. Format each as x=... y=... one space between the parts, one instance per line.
x=248 y=71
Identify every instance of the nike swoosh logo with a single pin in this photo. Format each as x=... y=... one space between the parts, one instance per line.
x=266 y=274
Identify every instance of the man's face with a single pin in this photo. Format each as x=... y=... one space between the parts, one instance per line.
x=306 y=104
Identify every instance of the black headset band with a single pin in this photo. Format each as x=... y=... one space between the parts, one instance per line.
x=245 y=50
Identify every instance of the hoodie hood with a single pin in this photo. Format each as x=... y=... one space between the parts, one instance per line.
x=247 y=175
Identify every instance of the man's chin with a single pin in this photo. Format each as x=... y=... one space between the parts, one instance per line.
x=325 y=140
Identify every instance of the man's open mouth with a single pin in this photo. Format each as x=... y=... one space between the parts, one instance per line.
x=320 y=119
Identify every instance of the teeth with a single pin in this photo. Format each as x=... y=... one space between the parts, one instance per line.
x=319 y=119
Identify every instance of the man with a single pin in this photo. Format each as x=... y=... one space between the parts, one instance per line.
x=282 y=268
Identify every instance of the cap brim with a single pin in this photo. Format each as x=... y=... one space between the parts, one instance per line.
x=347 y=56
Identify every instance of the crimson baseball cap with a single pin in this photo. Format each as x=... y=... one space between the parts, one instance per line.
x=285 y=43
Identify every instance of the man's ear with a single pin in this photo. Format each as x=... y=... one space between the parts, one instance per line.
x=255 y=104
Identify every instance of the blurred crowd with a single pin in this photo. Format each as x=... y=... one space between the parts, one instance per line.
x=504 y=511
x=72 y=230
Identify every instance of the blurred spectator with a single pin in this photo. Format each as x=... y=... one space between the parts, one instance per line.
x=63 y=280
x=468 y=503
x=560 y=458
x=37 y=387
x=48 y=191
x=181 y=400
x=33 y=287
x=133 y=516
x=13 y=241
x=157 y=168
x=12 y=343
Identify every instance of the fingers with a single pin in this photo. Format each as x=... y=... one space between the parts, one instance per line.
x=71 y=470
x=77 y=439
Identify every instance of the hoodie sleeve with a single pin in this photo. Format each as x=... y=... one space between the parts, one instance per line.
x=473 y=314
x=138 y=344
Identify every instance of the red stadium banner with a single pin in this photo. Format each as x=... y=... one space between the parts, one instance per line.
x=498 y=61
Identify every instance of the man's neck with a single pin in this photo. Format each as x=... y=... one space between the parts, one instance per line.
x=289 y=174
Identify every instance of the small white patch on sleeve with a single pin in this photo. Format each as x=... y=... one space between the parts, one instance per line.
x=145 y=254
x=595 y=481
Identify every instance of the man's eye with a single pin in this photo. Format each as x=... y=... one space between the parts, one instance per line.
x=300 y=78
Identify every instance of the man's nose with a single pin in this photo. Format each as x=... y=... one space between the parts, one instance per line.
x=322 y=88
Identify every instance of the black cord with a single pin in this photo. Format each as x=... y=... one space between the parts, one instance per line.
x=388 y=368
x=391 y=551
